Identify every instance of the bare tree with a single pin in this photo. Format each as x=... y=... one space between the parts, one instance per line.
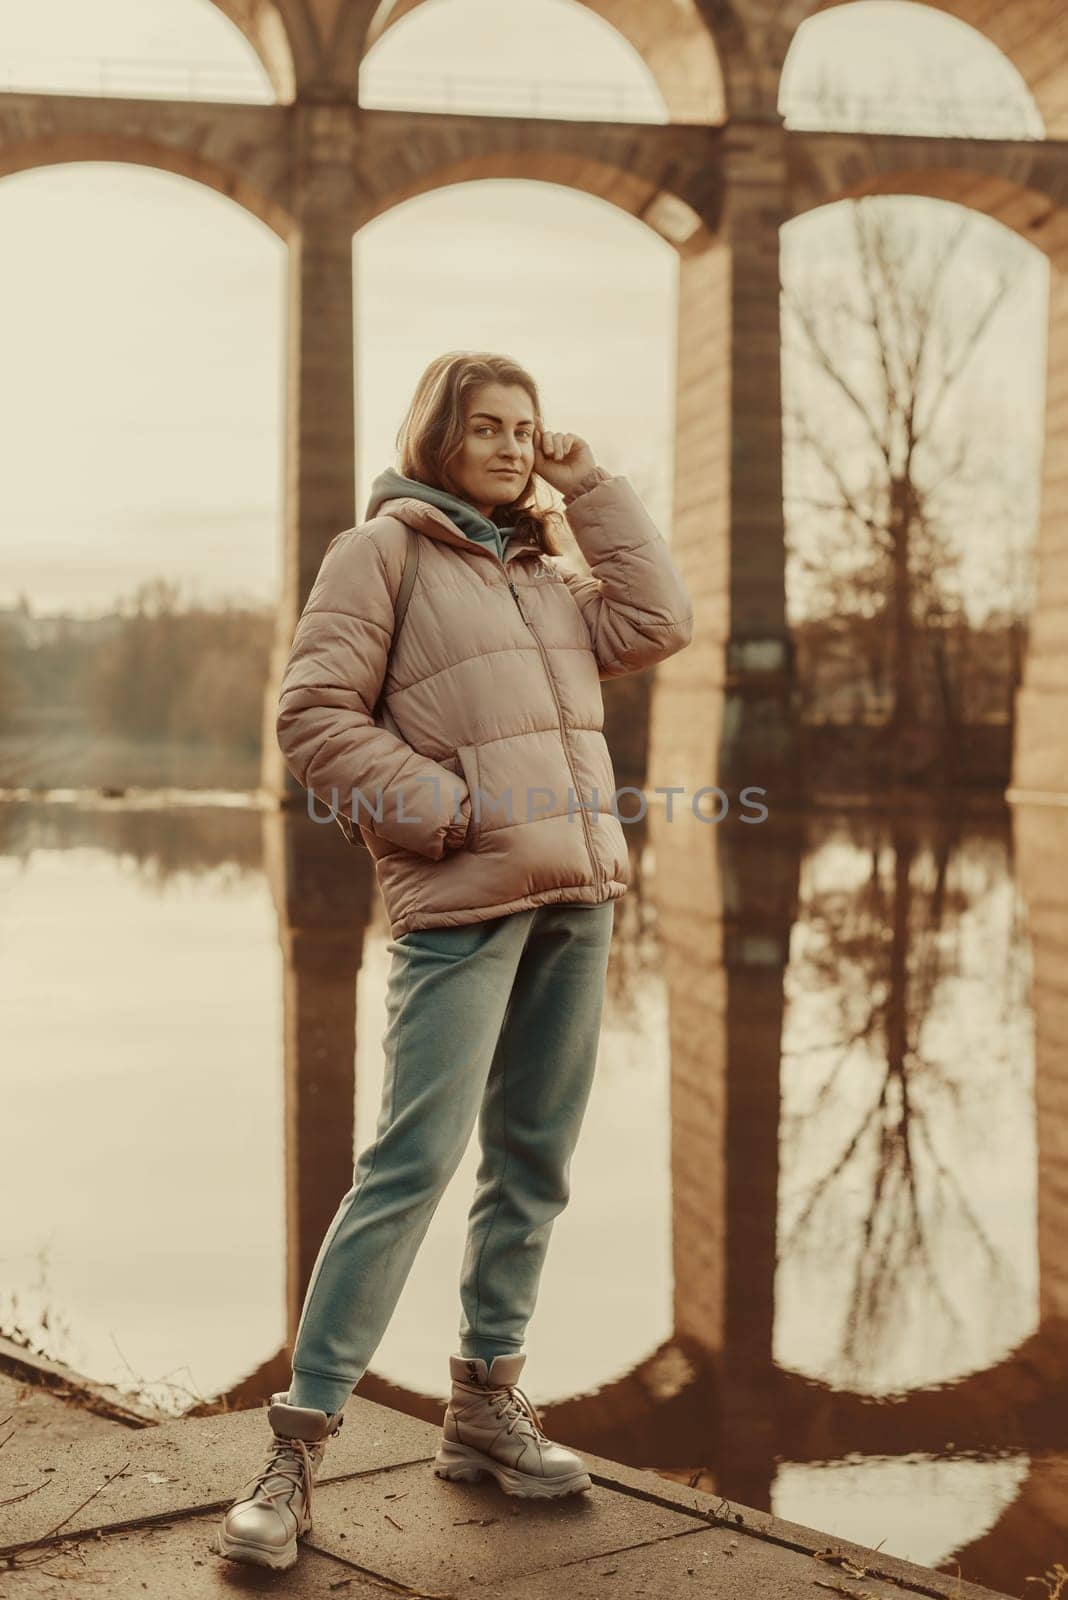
x=888 y=451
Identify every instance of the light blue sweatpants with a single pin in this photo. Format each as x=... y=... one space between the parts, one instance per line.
x=496 y=1021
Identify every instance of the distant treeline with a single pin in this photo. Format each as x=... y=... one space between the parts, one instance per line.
x=158 y=668
x=963 y=674
x=161 y=669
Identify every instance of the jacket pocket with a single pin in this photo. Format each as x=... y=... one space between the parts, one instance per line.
x=467 y=755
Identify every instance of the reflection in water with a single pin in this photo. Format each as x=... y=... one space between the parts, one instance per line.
x=900 y=1502
x=140 y=991
x=907 y=1250
x=821 y=1175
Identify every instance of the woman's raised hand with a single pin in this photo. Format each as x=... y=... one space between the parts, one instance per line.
x=562 y=459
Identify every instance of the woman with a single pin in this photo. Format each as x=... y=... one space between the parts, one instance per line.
x=490 y=816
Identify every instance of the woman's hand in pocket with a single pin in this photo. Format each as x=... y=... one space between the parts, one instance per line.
x=456 y=834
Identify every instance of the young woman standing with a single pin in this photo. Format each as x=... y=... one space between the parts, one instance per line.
x=490 y=817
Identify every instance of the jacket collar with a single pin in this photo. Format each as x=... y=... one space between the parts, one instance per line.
x=431 y=520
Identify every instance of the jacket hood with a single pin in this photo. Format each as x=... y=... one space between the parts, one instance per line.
x=393 y=485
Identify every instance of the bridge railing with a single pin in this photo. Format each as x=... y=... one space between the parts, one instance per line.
x=140 y=77
x=415 y=91
x=949 y=116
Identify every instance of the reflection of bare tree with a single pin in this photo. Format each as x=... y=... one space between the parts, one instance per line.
x=885 y=962
x=159 y=843
x=35 y=1325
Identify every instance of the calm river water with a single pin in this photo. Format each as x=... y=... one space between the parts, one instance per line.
x=816 y=1244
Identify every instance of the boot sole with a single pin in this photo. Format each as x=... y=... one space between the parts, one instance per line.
x=255 y=1555
x=461 y=1463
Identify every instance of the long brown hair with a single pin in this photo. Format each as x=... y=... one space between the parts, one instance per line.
x=432 y=434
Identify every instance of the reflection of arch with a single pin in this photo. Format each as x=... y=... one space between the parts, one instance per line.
x=673 y=40
x=57 y=149
x=711 y=1391
x=1039 y=51
x=1012 y=1405
x=986 y=1406
x=1029 y=1530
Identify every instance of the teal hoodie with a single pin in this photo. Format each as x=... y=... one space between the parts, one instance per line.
x=392 y=485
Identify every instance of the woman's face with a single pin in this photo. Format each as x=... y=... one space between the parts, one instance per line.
x=496 y=458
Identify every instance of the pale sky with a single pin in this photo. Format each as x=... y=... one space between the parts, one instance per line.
x=899 y=64
x=141 y=315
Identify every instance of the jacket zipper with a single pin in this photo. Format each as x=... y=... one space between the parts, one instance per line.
x=473 y=544
x=597 y=872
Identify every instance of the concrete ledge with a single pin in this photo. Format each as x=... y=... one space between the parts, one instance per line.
x=18 y=1361
x=184 y=1467
x=133 y=1502
x=415 y=1529
x=740 y=1519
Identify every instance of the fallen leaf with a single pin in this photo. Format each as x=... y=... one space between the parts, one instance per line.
x=836 y=1559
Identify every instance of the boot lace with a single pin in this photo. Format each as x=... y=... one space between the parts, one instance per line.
x=290 y=1466
x=511 y=1402
x=291 y=1462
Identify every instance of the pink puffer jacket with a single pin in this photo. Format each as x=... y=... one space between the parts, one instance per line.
x=495 y=791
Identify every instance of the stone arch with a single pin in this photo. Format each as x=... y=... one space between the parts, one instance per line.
x=1032 y=210
x=68 y=148
x=1037 y=48
x=828 y=167
x=673 y=40
x=639 y=196
x=274 y=29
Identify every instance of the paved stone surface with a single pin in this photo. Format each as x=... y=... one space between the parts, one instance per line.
x=713 y=1561
x=173 y=1561
x=37 y=1421
x=385 y=1524
x=183 y=1465
x=414 y=1528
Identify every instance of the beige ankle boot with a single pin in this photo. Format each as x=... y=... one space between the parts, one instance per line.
x=274 y=1509
x=491 y=1426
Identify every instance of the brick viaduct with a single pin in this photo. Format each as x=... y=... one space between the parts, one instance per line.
x=316 y=167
